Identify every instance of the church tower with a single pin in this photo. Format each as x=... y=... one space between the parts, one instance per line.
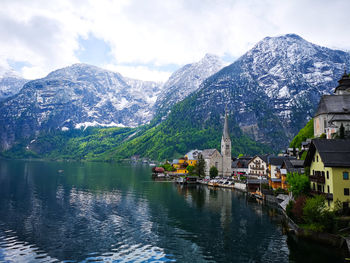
x=226 y=150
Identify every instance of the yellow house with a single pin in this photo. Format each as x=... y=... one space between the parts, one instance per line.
x=192 y=157
x=329 y=162
x=180 y=166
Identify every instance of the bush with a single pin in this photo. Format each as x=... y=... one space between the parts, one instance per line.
x=317 y=215
x=298 y=209
x=213 y=172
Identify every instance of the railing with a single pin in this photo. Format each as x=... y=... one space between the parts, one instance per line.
x=258 y=168
x=317 y=178
x=328 y=196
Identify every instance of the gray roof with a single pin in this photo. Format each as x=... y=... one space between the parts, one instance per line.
x=193 y=155
x=344 y=83
x=333 y=152
x=334 y=104
x=276 y=160
x=340 y=117
x=207 y=153
x=243 y=162
x=294 y=165
x=262 y=157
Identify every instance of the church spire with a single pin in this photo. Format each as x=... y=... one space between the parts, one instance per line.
x=226 y=134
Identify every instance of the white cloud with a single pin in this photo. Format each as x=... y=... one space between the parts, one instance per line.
x=139 y=72
x=159 y=32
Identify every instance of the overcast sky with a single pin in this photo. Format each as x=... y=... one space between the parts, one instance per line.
x=149 y=39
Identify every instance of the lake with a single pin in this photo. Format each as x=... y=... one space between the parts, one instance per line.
x=86 y=212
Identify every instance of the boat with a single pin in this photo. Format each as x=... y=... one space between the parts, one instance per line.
x=152 y=164
x=213 y=183
x=180 y=180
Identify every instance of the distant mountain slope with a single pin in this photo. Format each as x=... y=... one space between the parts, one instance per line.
x=272 y=90
x=187 y=80
x=10 y=83
x=77 y=96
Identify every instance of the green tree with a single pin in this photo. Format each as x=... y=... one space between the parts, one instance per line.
x=299 y=184
x=213 y=172
x=305 y=133
x=190 y=169
x=199 y=167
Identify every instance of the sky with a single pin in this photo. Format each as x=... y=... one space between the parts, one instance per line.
x=150 y=39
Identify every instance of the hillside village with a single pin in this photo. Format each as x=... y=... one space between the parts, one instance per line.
x=323 y=159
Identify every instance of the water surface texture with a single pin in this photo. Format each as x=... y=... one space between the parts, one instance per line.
x=85 y=212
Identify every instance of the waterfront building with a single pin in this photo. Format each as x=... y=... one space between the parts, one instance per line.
x=258 y=165
x=192 y=157
x=334 y=110
x=240 y=166
x=329 y=162
x=274 y=173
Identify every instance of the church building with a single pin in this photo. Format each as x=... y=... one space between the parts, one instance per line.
x=222 y=161
x=334 y=110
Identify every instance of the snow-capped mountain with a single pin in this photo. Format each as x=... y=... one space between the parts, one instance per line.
x=187 y=80
x=10 y=83
x=271 y=91
x=73 y=97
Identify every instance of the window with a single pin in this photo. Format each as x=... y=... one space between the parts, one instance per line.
x=346 y=191
x=328 y=188
x=346 y=175
x=313 y=186
x=327 y=174
x=314 y=159
x=317 y=158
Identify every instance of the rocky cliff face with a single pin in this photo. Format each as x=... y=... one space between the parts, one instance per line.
x=10 y=83
x=185 y=81
x=74 y=97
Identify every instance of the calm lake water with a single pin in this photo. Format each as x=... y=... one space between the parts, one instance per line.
x=116 y=213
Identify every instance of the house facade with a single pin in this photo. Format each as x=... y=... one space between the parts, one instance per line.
x=258 y=165
x=329 y=162
x=240 y=166
x=274 y=170
x=192 y=157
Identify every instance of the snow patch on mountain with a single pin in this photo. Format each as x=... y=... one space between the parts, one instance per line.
x=187 y=80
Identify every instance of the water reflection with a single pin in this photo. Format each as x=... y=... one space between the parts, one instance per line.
x=91 y=212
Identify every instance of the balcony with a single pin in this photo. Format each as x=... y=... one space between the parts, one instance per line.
x=328 y=196
x=317 y=179
x=258 y=168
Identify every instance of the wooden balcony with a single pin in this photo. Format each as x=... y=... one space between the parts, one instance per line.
x=317 y=179
x=328 y=196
